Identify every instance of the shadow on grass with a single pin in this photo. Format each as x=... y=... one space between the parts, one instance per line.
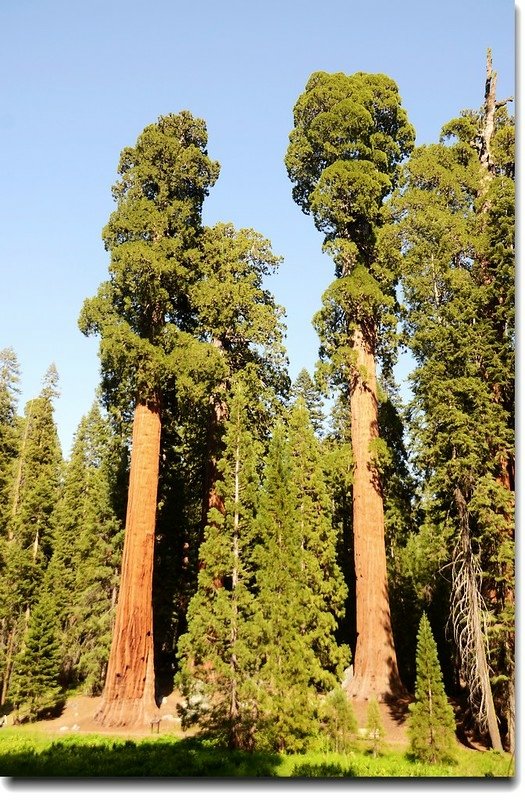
x=162 y=758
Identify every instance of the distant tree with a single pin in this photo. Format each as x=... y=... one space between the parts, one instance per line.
x=9 y=379
x=142 y=315
x=286 y=694
x=432 y=724
x=304 y=387
x=323 y=589
x=350 y=136
x=35 y=491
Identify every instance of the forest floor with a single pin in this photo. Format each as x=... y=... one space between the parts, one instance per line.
x=79 y=711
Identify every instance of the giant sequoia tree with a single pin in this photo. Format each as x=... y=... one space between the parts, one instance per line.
x=140 y=314
x=350 y=135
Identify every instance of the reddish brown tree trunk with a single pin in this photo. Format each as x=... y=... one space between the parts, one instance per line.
x=375 y=672
x=129 y=692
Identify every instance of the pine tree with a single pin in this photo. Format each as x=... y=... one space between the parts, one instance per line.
x=218 y=653
x=9 y=379
x=432 y=725
x=286 y=694
x=304 y=387
x=300 y=591
x=244 y=324
x=84 y=567
x=143 y=315
x=350 y=137
x=9 y=443
x=338 y=721
x=35 y=490
x=323 y=584
x=36 y=673
x=453 y=241
x=374 y=725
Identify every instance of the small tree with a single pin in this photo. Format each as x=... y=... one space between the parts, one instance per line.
x=432 y=723
x=36 y=688
x=376 y=732
x=338 y=720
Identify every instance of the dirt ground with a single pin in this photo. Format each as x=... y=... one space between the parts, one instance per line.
x=79 y=711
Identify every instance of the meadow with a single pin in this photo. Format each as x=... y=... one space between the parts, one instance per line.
x=29 y=753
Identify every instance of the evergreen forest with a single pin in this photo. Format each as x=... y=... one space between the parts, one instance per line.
x=292 y=559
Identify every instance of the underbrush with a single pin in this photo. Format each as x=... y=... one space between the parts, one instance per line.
x=34 y=754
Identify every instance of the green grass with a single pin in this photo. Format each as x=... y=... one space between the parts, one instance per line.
x=28 y=753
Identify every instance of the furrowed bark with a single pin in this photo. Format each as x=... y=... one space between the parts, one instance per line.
x=375 y=671
x=129 y=692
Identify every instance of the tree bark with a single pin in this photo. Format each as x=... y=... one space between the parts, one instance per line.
x=129 y=692
x=375 y=672
x=469 y=628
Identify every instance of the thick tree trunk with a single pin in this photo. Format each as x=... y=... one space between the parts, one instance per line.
x=129 y=692
x=375 y=672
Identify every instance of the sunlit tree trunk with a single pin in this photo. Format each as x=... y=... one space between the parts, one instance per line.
x=375 y=672
x=129 y=692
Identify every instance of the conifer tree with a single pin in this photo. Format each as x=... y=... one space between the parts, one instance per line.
x=9 y=379
x=244 y=324
x=299 y=588
x=9 y=442
x=374 y=725
x=218 y=653
x=35 y=490
x=304 y=387
x=453 y=238
x=143 y=316
x=432 y=725
x=84 y=567
x=36 y=674
x=286 y=693
x=322 y=578
x=351 y=134
x=338 y=721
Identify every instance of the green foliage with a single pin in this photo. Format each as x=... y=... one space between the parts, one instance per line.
x=163 y=182
x=452 y=239
x=374 y=726
x=27 y=753
x=9 y=379
x=338 y=721
x=236 y=312
x=299 y=588
x=34 y=492
x=219 y=651
x=305 y=388
x=87 y=546
x=35 y=682
x=350 y=137
x=432 y=724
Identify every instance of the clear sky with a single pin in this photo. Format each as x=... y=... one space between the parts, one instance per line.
x=80 y=79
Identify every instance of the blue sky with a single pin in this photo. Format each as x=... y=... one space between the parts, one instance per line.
x=80 y=80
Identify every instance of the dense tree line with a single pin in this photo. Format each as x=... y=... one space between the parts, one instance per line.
x=222 y=531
